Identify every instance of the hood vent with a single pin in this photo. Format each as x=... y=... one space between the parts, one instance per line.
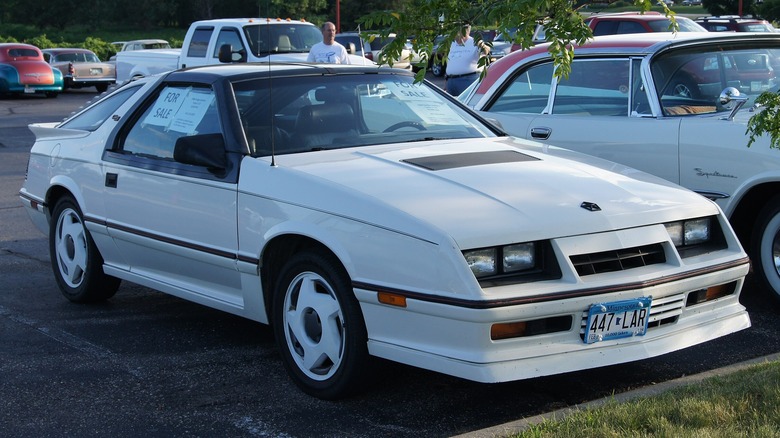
x=451 y=161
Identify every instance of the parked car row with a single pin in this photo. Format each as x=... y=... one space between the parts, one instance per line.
x=26 y=69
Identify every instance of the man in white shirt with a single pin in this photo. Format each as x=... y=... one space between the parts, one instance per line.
x=462 y=62
x=328 y=51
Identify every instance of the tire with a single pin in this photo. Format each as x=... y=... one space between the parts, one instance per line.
x=52 y=94
x=765 y=247
x=75 y=260
x=101 y=88
x=319 y=327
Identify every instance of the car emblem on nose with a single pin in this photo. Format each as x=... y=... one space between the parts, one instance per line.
x=590 y=206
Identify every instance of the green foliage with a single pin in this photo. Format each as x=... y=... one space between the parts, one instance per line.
x=423 y=20
x=744 y=404
x=766 y=121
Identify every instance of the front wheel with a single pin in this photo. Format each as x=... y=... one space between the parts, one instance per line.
x=319 y=326
x=765 y=246
x=77 y=264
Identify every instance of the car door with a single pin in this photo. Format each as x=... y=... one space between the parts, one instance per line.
x=174 y=223
x=601 y=109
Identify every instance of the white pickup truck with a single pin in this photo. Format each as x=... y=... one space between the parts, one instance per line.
x=227 y=40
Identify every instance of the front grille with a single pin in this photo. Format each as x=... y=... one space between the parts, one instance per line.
x=663 y=311
x=618 y=260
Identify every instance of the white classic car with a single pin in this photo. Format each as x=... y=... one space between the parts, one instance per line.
x=674 y=105
x=362 y=215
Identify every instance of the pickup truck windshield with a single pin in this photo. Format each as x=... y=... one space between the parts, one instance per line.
x=267 y=38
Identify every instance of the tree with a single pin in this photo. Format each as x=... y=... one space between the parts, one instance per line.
x=730 y=7
x=424 y=20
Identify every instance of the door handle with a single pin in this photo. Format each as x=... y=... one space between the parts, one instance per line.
x=541 y=133
x=111 y=180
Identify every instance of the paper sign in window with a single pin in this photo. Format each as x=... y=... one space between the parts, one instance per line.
x=425 y=103
x=179 y=109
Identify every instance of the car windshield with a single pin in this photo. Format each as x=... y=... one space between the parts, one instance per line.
x=348 y=111
x=284 y=37
x=690 y=81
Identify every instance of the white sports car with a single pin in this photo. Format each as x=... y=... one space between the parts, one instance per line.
x=362 y=215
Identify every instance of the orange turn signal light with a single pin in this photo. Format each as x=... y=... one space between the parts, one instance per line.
x=507 y=330
x=392 y=299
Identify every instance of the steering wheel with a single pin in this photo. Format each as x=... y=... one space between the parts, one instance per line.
x=405 y=124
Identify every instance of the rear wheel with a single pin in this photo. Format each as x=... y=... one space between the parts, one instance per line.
x=765 y=246
x=77 y=264
x=319 y=326
x=101 y=88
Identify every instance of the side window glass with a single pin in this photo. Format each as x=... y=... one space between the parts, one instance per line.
x=528 y=93
x=605 y=28
x=94 y=116
x=594 y=88
x=199 y=43
x=176 y=112
x=640 y=102
x=630 y=27
x=228 y=36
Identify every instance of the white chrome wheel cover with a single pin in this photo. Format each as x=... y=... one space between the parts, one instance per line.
x=70 y=246
x=769 y=253
x=313 y=326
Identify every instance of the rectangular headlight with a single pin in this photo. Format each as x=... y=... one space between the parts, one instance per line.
x=697 y=231
x=689 y=232
x=501 y=260
x=519 y=257
x=482 y=261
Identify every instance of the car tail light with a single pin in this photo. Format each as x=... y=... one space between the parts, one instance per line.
x=71 y=69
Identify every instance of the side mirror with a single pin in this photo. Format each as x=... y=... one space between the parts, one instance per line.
x=207 y=150
x=351 y=48
x=227 y=55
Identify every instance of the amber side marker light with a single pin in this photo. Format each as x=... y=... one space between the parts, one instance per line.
x=711 y=293
x=392 y=299
x=519 y=329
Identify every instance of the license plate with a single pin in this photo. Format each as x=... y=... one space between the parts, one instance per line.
x=96 y=71
x=618 y=319
x=29 y=90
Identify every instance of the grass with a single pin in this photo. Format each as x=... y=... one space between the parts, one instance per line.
x=745 y=403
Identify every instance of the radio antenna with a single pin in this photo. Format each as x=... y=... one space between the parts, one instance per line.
x=270 y=88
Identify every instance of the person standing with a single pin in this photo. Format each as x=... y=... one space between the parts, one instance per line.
x=463 y=62
x=328 y=51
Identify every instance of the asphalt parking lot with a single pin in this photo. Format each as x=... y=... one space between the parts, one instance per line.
x=146 y=363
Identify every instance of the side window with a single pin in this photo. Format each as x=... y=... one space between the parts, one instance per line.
x=199 y=44
x=640 y=102
x=605 y=28
x=630 y=27
x=176 y=112
x=594 y=88
x=228 y=36
x=94 y=116
x=528 y=93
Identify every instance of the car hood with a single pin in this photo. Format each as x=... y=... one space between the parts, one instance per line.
x=480 y=192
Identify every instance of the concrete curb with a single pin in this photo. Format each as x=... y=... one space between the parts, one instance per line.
x=518 y=426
